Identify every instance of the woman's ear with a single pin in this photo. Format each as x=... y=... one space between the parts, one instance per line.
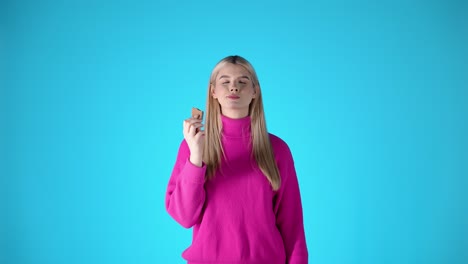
x=212 y=90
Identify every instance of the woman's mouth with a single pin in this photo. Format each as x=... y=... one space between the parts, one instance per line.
x=233 y=97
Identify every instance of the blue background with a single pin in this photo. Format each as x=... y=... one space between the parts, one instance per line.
x=371 y=97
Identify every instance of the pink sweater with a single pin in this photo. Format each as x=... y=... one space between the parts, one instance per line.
x=237 y=217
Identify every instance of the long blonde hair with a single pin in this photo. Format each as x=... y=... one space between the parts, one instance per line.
x=261 y=147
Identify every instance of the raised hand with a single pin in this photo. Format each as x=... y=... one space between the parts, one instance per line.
x=195 y=138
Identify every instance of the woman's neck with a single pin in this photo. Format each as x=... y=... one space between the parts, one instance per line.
x=235 y=114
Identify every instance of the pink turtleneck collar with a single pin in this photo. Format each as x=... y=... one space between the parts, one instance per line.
x=236 y=128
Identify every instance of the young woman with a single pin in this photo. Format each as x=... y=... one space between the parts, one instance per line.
x=235 y=183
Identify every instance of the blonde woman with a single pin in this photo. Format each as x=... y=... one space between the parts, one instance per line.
x=235 y=183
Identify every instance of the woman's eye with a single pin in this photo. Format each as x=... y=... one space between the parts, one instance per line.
x=242 y=82
x=225 y=82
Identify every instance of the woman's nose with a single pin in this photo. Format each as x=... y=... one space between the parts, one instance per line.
x=234 y=88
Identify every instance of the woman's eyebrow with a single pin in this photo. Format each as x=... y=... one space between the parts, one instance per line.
x=241 y=77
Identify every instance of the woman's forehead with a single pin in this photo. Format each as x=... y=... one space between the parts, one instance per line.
x=233 y=70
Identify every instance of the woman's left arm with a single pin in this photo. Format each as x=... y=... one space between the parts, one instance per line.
x=288 y=210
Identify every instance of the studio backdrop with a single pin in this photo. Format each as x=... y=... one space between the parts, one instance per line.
x=371 y=96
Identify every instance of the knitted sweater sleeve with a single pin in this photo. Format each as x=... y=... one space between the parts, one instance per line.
x=185 y=195
x=288 y=207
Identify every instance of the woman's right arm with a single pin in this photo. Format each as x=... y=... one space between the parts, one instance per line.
x=185 y=195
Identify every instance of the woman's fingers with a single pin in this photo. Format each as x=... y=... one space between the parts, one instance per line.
x=191 y=121
x=199 y=135
x=191 y=125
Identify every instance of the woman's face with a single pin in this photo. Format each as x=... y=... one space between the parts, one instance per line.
x=234 y=90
